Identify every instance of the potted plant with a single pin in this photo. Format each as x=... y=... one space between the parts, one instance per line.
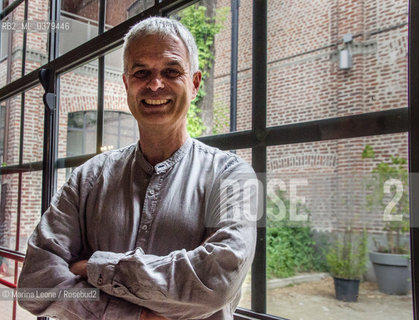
x=388 y=192
x=346 y=259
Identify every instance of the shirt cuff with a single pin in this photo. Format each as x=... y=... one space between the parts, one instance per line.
x=101 y=268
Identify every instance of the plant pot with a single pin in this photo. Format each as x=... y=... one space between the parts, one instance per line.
x=392 y=272
x=346 y=289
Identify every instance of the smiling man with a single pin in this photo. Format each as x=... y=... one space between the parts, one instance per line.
x=163 y=227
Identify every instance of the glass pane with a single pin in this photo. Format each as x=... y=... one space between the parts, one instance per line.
x=33 y=137
x=322 y=196
x=8 y=210
x=30 y=210
x=120 y=127
x=213 y=104
x=12 y=131
x=128 y=125
x=30 y=206
x=4 y=52
x=62 y=176
x=37 y=39
x=327 y=60
x=78 y=111
x=119 y=11
x=246 y=298
x=74 y=143
x=83 y=19
x=112 y=122
x=2 y=129
x=13 y=44
x=7 y=270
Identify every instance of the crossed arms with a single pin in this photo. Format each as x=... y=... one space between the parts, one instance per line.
x=184 y=284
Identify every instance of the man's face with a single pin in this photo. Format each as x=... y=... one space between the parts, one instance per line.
x=158 y=82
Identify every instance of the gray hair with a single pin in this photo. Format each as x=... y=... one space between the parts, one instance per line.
x=163 y=27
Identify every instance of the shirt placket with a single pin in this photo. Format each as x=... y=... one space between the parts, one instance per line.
x=149 y=210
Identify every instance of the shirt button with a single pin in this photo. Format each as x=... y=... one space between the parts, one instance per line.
x=144 y=227
x=151 y=192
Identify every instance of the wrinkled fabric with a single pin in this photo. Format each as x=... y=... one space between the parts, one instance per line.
x=177 y=238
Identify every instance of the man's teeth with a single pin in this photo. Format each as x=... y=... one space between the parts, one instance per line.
x=156 y=102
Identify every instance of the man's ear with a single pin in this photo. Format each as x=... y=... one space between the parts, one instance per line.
x=124 y=78
x=196 y=80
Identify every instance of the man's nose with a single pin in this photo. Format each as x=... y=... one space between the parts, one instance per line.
x=155 y=83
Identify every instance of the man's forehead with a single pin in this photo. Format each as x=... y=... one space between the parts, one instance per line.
x=157 y=41
x=150 y=49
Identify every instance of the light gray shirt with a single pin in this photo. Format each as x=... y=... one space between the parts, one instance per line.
x=177 y=238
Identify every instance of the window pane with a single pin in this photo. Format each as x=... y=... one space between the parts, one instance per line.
x=63 y=175
x=30 y=206
x=246 y=298
x=12 y=131
x=83 y=19
x=120 y=128
x=8 y=210
x=119 y=11
x=128 y=125
x=30 y=209
x=222 y=70
x=33 y=137
x=317 y=193
x=307 y=81
x=78 y=111
x=74 y=143
x=37 y=40
x=12 y=46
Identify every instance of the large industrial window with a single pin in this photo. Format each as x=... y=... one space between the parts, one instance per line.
x=318 y=96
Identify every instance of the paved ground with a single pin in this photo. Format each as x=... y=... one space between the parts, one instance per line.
x=316 y=301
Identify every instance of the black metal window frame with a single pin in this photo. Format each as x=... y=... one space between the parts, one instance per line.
x=258 y=138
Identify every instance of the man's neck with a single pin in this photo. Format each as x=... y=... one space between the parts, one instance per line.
x=160 y=146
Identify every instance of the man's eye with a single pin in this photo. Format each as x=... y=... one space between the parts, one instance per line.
x=140 y=74
x=171 y=73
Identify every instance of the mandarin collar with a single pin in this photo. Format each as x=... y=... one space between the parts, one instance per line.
x=166 y=164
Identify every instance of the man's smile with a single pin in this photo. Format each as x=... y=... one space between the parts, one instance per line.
x=155 y=102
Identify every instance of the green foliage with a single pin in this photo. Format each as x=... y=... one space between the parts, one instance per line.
x=290 y=249
x=347 y=257
x=204 y=29
x=290 y=245
x=221 y=120
x=368 y=152
x=195 y=125
x=388 y=192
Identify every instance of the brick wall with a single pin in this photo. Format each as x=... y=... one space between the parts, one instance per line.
x=305 y=84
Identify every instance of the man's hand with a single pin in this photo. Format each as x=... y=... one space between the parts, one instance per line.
x=79 y=268
x=149 y=315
